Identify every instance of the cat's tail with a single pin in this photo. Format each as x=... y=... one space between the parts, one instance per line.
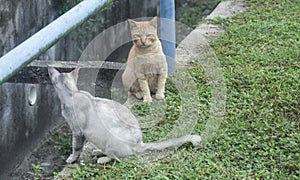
x=175 y=142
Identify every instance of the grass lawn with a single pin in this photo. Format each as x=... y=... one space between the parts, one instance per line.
x=259 y=137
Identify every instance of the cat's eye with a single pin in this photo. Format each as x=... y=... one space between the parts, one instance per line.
x=149 y=35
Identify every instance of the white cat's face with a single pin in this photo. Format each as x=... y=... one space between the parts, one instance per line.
x=63 y=81
x=144 y=34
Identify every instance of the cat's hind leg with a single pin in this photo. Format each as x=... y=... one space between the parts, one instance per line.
x=77 y=144
x=138 y=95
x=136 y=91
x=97 y=152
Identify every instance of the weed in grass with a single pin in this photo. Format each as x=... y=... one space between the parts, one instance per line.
x=37 y=171
x=86 y=172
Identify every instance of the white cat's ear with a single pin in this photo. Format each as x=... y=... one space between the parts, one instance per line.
x=153 y=22
x=75 y=73
x=132 y=23
x=52 y=72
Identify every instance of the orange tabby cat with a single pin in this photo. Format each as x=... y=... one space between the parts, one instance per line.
x=146 y=69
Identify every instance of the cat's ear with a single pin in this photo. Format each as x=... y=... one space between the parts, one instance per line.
x=52 y=72
x=132 y=23
x=75 y=73
x=153 y=22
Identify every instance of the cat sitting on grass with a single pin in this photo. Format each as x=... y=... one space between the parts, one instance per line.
x=146 y=67
x=109 y=125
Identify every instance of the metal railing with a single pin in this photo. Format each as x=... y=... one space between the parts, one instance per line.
x=29 y=50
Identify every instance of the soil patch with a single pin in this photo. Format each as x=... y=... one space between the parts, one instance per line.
x=49 y=157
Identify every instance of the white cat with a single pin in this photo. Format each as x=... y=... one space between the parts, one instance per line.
x=109 y=125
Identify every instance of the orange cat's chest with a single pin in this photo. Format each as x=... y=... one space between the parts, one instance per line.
x=152 y=61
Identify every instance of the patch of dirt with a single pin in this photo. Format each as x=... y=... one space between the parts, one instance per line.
x=49 y=157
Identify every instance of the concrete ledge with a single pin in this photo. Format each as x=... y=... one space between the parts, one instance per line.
x=194 y=45
x=74 y=64
x=228 y=8
x=37 y=72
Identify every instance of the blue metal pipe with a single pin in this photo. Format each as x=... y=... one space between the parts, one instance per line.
x=37 y=44
x=167 y=30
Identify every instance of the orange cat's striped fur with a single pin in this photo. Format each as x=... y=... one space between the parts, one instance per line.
x=146 y=68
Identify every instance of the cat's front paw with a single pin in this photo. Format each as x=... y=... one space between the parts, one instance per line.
x=147 y=100
x=159 y=96
x=71 y=159
x=195 y=140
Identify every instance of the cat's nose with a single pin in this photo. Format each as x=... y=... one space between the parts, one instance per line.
x=143 y=40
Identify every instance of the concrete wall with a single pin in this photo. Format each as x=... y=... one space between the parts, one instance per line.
x=20 y=19
x=71 y=47
x=23 y=125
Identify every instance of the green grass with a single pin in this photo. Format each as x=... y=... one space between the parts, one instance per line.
x=260 y=134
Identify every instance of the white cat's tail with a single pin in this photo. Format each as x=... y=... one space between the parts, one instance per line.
x=175 y=142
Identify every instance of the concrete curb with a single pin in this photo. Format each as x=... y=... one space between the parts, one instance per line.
x=190 y=47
